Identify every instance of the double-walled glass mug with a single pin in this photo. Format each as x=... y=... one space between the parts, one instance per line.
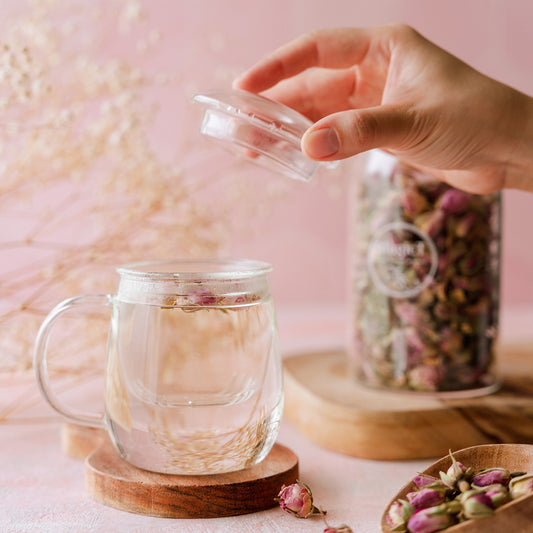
x=193 y=380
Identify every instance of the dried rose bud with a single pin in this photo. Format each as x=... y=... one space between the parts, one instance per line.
x=472 y=263
x=297 y=500
x=454 y=201
x=520 y=486
x=408 y=313
x=203 y=298
x=431 y=223
x=398 y=514
x=491 y=476
x=465 y=224
x=453 y=506
x=413 y=339
x=425 y=377
x=426 y=497
x=413 y=202
x=476 y=504
x=498 y=495
x=450 y=341
x=421 y=480
x=457 y=296
x=430 y=520
x=443 y=310
x=469 y=283
x=455 y=474
x=480 y=307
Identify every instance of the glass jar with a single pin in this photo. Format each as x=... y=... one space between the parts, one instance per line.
x=424 y=282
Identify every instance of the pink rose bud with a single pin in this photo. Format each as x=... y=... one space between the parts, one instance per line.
x=297 y=500
x=454 y=201
x=431 y=223
x=491 y=476
x=203 y=298
x=450 y=341
x=465 y=224
x=413 y=339
x=498 y=495
x=408 y=313
x=426 y=497
x=413 y=202
x=476 y=504
x=425 y=377
x=430 y=520
x=421 y=480
x=457 y=469
x=398 y=514
x=455 y=474
x=521 y=486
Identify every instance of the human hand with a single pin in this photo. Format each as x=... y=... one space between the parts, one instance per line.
x=390 y=88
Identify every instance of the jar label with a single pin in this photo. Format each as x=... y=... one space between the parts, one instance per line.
x=401 y=260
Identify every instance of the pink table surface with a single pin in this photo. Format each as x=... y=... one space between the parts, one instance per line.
x=42 y=490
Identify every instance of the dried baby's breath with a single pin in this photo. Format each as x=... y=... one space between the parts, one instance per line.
x=82 y=188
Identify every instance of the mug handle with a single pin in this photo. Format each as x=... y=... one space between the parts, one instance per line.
x=40 y=362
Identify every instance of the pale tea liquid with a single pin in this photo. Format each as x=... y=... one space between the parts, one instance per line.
x=193 y=390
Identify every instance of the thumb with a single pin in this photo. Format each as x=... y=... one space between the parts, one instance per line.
x=348 y=133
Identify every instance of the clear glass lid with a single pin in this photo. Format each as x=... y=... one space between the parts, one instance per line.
x=266 y=132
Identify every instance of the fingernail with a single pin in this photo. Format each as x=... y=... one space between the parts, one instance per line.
x=321 y=143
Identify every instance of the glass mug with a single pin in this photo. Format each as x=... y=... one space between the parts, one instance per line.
x=193 y=380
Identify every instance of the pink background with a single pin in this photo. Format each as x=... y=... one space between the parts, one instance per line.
x=303 y=231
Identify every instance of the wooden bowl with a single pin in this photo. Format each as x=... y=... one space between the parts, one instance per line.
x=513 y=517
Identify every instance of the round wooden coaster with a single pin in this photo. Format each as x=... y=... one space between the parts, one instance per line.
x=323 y=401
x=114 y=482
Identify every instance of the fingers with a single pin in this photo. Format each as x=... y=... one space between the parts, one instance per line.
x=330 y=48
x=349 y=133
x=318 y=92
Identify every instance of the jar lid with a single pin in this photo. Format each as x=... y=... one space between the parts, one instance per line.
x=267 y=132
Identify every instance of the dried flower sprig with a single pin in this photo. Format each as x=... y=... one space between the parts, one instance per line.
x=75 y=132
x=82 y=185
x=459 y=494
x=83 y=188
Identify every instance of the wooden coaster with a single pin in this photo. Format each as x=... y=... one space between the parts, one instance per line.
x=326 y=405
x=114 y=482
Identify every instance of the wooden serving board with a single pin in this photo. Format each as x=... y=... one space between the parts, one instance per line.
x=114 y=482
x=323 y=401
